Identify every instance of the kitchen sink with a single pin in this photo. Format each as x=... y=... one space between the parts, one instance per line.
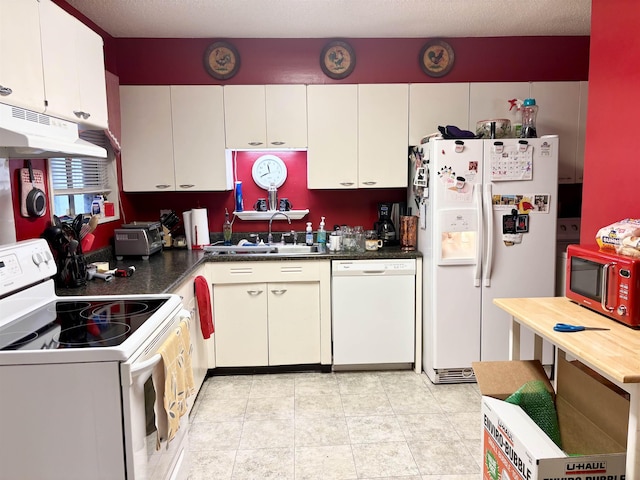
x=265 y=249
x=295 y=249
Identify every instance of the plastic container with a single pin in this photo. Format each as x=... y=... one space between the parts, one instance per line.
x=226 y=228
x=322 y=237
x=238 y=196
x=309 y=234
x=97 y=206
x=529 y=111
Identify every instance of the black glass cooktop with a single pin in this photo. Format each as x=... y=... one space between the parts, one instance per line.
x=78 y=324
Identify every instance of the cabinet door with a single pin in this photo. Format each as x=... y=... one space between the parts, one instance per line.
x=332 y=157
x=294 y=323
x=435 y=104
x=491 y=100
x=201 y=160
x=21 y=80
x=559 y=114
x=147 y=145
x=244 y=116
x=59 y=61
x=286 y=112
x=92 y=82
x=240 y=313
x=383 y=125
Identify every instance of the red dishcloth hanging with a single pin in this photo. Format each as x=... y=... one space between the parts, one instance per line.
x=204 y=306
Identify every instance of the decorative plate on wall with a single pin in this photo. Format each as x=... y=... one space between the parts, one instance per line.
x=221 y=60
x=337 y=59
x=436 y=58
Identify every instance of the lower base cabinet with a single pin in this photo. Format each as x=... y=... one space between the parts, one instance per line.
x=276 y=320
x=260 y=324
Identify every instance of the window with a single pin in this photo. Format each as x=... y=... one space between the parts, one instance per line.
x=75 y=182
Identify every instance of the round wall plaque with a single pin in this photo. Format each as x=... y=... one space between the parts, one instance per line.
x=436 y=58
x=221 y=60
x=337 y=59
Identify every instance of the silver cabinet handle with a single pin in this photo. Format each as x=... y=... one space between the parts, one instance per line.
x=81 y=114
x=254 y=293
x=187 y=185
x=280 y=291
x=369 y=183
x=255 y=144
x=4 y=91
x=163 y=186
x=346 y=184
x=278 y=143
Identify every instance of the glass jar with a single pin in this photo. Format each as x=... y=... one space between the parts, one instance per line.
x=359 y=239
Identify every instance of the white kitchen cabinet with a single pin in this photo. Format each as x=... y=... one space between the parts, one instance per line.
x=147 y=138
x=265 y=116
x=357 y=136
x=559 y=114
x=271 y=313
x=199 y=355
x=491 y=100
x=332 y=116
x=173 y=139
x=73 y=63
x=21 y=77
x=435 y=104
x=383 y=125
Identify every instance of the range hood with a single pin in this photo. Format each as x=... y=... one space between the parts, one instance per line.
x=28 y=134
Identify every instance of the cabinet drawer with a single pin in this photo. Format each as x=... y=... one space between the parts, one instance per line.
x=280 y=271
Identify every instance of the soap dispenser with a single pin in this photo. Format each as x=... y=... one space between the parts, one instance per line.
x=226 y=228
x=309 y=235
x=322 y=237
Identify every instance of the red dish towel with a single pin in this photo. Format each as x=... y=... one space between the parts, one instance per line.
x=204 y=306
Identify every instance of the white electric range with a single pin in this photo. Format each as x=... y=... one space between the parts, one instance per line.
x=74 y=376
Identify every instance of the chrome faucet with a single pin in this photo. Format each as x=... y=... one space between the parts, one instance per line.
x=270 y=237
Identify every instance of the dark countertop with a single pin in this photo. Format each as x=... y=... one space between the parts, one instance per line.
x=164 y=271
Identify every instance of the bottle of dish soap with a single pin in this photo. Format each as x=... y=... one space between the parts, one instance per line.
x=309 y=235
x=322 y=237
x=226 y=228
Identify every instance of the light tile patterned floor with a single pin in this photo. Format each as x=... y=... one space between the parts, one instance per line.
x=351 y=425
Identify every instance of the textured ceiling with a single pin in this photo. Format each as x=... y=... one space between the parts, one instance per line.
x=336 y=18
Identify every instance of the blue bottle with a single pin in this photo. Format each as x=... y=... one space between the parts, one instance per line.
x=239 y=203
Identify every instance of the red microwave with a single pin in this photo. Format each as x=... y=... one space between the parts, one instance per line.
x=605 y=282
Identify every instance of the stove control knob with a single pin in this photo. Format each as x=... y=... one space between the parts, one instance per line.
x=37 y=258
x=622 y=310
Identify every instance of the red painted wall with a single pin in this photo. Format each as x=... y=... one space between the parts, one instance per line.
x=611 y=174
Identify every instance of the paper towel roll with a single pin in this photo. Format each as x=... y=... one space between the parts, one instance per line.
x=186 y=219
x=200 y=222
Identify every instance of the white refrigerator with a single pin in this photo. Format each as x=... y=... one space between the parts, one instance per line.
x=487 y=230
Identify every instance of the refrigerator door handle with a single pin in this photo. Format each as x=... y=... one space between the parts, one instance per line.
x=478 y=268
x=488 y=212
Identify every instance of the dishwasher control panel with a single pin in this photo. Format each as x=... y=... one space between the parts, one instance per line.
x=373 y=267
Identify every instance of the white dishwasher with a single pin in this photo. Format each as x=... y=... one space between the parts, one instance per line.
x=373 y=311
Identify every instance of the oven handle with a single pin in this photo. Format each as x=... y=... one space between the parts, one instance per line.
x=141 y=372
x=604 y=286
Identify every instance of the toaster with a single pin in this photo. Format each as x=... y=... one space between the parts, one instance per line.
x=138 y=239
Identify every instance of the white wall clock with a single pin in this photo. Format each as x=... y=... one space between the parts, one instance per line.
x=269 y=169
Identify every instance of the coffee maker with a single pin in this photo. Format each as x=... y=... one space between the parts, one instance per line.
x=384 y=226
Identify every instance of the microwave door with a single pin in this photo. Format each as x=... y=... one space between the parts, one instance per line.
x=592 y=280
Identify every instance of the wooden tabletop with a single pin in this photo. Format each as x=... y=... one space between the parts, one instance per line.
x=615 y=352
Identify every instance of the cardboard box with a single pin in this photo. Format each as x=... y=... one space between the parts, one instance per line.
x=593 y=422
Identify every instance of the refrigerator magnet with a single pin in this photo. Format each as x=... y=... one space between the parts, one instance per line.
x=522 y=223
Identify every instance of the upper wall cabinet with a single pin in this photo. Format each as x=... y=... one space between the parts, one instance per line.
x=357 y=136
x=562 y=112
x=383 y=123
x=332 y=158
x=21 y=80
x=435 y=104
x=265 y=116
x=173 y=139
x=73 y=63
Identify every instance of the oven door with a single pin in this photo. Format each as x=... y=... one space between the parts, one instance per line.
x=143 y=460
